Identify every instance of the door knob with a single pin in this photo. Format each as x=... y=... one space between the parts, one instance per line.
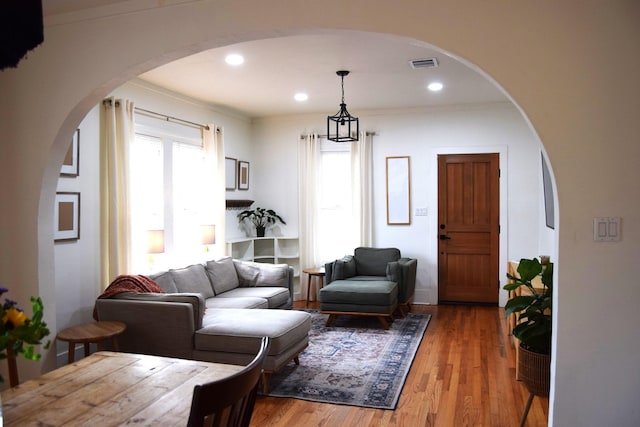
x=444 y=237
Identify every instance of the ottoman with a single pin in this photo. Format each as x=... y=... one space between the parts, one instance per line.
x=360 y=298
x=233 y=336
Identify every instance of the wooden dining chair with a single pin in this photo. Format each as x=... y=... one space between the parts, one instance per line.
x=229 y=401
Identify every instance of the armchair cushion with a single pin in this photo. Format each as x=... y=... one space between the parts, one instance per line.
x=193 y=279
x=343 y=268
x=222 y=274
x=373 y=261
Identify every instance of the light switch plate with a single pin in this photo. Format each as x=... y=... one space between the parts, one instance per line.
x=607 y=229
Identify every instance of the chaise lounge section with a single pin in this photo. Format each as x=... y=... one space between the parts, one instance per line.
x=216 y=312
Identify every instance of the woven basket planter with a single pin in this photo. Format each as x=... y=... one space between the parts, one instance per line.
x=535 y=371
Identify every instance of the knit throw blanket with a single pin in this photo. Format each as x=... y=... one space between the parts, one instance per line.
x=129 y=283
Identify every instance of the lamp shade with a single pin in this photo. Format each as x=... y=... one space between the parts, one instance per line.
x=208 y=234
x=155 y=241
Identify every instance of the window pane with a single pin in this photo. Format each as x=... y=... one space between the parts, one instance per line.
x=147 y=195
x=335 y=216
x=188 y=204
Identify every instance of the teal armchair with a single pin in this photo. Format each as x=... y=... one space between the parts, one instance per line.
x=375 y=264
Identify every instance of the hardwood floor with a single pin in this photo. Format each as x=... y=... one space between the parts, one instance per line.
x=463 y=375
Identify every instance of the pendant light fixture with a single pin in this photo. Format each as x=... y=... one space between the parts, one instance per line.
x=343 y=127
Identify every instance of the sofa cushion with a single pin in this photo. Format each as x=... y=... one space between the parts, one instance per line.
x=164 y=279
x=235 y=330
x=193 y=279
x=261 y=274
x=245 y=302
x=373 y=261
x=275 y=296
x=222 y=274
x=365 y=292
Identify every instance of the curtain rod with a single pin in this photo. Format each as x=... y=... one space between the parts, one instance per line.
x=326 y=136
x=161 y=116
x=170 y=118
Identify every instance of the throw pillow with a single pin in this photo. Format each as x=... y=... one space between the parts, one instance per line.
x=262 y=274
x=343 y=268
x=247 y=273
x=393 y=272
x=193 y=279
x=222 y=274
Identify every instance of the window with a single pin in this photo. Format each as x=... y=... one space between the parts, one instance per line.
x=167 y=172
x=335 y=216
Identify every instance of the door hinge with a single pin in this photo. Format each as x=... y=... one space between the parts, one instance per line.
x=499 y=173
x=499 y=229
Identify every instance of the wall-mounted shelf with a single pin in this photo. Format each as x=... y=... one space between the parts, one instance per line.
x=238 y=204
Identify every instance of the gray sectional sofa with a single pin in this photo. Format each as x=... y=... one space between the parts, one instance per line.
x=217 y=312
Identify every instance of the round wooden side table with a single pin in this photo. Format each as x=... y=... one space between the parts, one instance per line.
x=318 y=273
x=94 y=332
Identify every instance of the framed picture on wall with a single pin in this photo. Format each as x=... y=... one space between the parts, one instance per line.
x=243 y=175
x=71 y=162
x=66 y=217
x=398 y=191
x=230 y=173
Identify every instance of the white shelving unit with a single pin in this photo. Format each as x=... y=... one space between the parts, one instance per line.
x=272 y=250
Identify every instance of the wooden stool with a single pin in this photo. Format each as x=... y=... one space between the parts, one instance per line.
x=314 y=272
x=95 y=332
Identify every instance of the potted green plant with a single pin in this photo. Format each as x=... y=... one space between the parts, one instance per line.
x=261 y=218
x=533 y=328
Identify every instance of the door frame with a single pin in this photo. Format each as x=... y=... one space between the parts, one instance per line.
x=432 y=237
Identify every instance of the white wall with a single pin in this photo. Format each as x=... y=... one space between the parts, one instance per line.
x=77 y=263
x=422 y=135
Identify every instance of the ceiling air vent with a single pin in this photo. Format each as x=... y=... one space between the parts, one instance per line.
x=424 y=63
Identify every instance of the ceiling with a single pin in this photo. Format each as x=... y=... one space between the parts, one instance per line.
x=276 y=69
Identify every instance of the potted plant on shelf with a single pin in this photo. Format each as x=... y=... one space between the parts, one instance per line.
x=261 y=218
x=533 y=329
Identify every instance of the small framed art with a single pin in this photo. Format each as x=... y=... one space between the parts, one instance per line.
x=230 y=173
x=71 y=163
x=243 y=175
x=66 y=217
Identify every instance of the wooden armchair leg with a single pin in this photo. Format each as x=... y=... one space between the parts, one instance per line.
x=266 y=377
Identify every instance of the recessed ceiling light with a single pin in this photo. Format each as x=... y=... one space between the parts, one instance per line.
x=234 y=59
x=435 y=86
x=300 y=96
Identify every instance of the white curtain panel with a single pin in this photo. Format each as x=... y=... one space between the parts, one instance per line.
x=214 y=187
x=116 y=135
x=308 y=166
x=362 y=182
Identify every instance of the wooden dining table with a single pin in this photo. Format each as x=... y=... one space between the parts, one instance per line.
x=109 y=389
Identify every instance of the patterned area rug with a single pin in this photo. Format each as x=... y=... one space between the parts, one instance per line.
x=354 y=362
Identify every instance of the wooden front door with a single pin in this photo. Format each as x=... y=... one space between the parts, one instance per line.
x=468 y=228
